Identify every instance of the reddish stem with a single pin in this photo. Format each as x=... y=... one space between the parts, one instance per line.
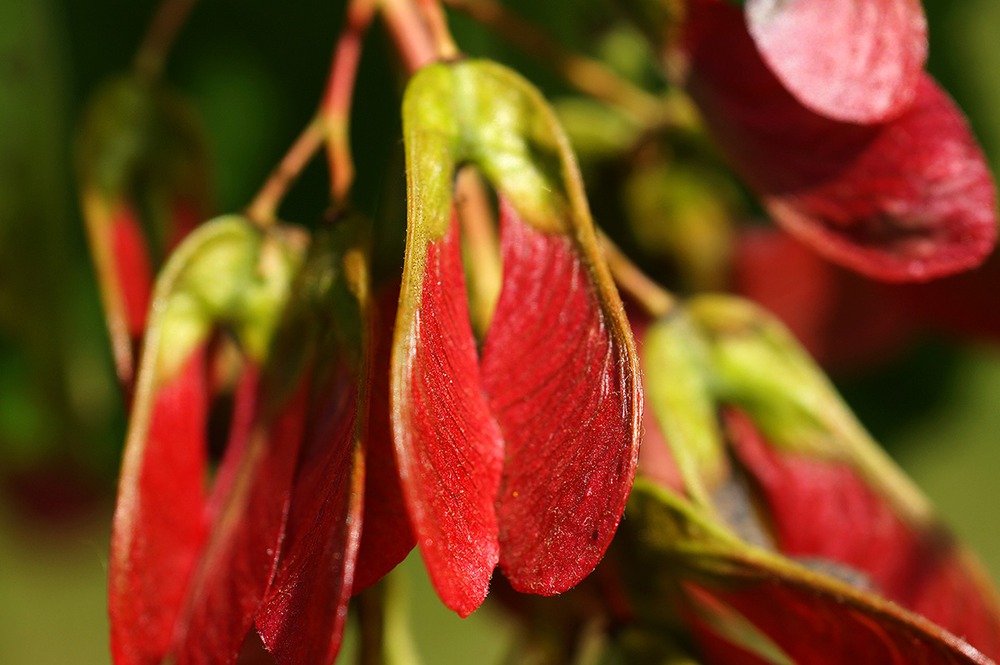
x=437 y=25
x=167 y=22
x=419 y=39
x=482 y=245
x=263 y=209
x=410 y=33
x=656 y=300
x=329 y=126
x=336 y=106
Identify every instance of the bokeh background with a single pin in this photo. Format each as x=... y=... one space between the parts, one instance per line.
x=254 y=70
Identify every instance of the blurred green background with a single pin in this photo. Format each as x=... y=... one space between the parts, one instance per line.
x=254 y=71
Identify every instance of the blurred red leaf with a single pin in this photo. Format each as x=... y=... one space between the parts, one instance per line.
x=189 y=564
x=843 y=319
x=855 y=60
x=847 y=321
x=910 y=199
x=824 y=510
x=132 y=270
x=155 y=543
x=959 y=304
x=142 y=169
x=237 y=562
x=387 y=537
x=816 y=626
x=747 y=605
x=302 y=617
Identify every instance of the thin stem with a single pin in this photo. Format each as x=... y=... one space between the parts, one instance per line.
x=369 y=608
x=482 y=248
x=336 y=106
x=437 y=24
x=330 y=124
x=409 y=31
x=264 y=207
x=167 y=22
x=585 y=74
x=655 y=299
